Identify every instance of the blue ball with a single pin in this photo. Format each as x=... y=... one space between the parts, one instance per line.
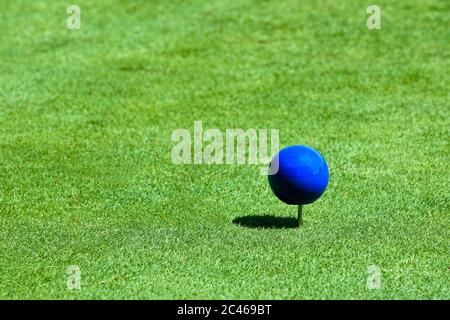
x=302 y=175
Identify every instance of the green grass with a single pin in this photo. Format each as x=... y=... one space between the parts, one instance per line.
x=86 y=178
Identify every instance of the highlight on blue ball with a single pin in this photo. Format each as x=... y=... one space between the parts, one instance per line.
x=301 y=176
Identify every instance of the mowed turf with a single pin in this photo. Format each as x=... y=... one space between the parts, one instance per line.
x=86 y=177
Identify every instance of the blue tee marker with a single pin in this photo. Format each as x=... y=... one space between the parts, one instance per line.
x=301 y=177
